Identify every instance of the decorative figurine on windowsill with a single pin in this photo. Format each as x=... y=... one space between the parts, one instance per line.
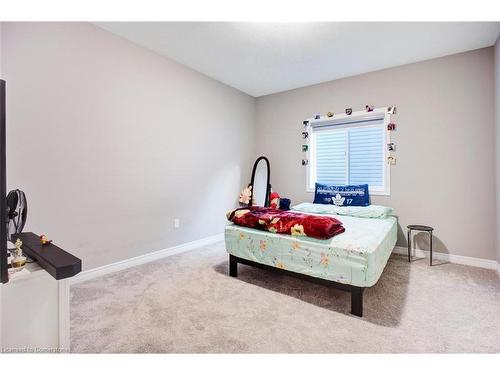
x=44 y=240
x=348 y=111
x=369 y=108
x=391 y=110
x=19 y=259
x=317 y=116
x=329 y=114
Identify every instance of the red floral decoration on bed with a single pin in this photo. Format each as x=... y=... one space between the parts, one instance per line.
x=286 y=222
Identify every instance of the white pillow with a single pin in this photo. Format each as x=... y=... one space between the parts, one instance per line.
x=371 y=211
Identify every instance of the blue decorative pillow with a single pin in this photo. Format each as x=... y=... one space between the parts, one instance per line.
x=342 y=195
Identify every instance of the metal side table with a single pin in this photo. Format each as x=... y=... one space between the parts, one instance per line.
x=419 y=228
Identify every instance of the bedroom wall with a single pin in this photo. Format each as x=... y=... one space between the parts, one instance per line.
x=445 y=144
x=111 y=142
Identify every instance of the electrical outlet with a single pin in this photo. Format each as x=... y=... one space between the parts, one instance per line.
x=177 y=223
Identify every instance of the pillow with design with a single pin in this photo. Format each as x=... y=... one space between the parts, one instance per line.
x=369 y=212
x=342 y=195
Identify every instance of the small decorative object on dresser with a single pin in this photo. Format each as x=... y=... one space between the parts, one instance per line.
x=329 y=114
x=391 y=110
x=44 y=240
x=19 y=259
x=420 y=228
x=317 y=116
x=348 y=111
x=369 y=108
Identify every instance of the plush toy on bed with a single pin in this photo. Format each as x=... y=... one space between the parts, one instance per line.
x=274 y=200
x=245 y=195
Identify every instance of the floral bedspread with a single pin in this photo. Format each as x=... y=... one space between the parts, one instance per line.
x=286 y=222
x=357 y=256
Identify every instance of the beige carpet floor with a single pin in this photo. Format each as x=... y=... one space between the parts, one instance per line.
x=188 y=304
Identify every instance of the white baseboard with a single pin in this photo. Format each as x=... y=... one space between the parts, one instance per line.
x=64 y=285
x=146 y=258
x=458 y=259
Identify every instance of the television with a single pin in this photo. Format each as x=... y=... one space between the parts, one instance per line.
x=4 y=276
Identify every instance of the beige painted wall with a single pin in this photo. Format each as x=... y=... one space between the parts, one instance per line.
x=497 y=140
x=445 y=144
x=111 y=142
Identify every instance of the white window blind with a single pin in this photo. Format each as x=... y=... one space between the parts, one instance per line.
x=349 y=153
x=331 y=157
x=366 y=156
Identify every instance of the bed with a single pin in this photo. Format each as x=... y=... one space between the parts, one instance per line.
x=350 y=261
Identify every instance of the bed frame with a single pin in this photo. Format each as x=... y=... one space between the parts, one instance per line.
x=356 y=291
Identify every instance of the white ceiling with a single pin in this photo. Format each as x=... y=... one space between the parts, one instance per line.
x=265 y=58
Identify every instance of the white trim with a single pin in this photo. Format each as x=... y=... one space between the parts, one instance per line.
x=146 y=258
x=458 y=259
x=341 y=116
x=64 y=285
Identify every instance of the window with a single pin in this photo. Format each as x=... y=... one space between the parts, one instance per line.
x=350 y=150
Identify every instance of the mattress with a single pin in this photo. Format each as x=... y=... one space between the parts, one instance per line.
x=356 y=257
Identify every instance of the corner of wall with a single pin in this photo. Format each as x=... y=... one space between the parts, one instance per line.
x=497 y=144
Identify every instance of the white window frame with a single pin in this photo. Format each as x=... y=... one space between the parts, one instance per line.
x=355 y=117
